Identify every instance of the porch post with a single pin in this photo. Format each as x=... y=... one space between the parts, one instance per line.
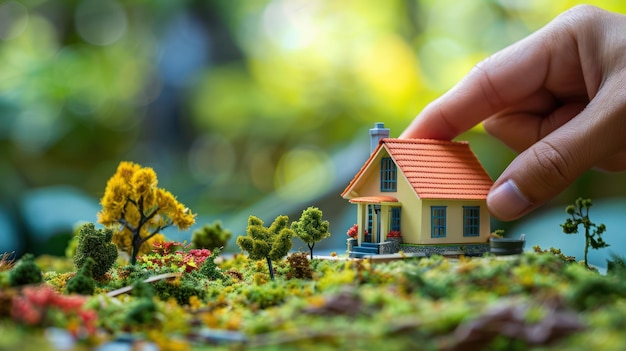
x=374 y=224
x=360 y=216
x=385 y=213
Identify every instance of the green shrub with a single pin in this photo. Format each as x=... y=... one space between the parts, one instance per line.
x=181 y=290
x=144 y=312
x=210 y=236
x=82 y=283
x=299 y=266
x=25 y=272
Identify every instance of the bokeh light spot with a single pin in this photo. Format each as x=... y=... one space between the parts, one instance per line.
x=443 y=52
x=211 y=158
x=290 y=23
x=37 y=127
x=388 y=67
x=100 y=22
x=13 y=19
x=261 y=168
x=303 y=173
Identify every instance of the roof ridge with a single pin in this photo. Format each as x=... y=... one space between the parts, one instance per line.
x=425 y=141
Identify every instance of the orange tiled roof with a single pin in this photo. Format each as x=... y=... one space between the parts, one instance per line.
x=436 y=169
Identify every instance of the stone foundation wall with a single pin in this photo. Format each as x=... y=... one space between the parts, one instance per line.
x=461 y=249
x=391 y=246
x=350 y=242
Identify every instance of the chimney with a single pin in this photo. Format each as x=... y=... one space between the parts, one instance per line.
x=376 y=134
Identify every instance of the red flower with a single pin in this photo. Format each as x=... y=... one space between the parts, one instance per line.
x=194 y=259
x=394 y=234
x=89 y=319
x=69 y=303
x=39 y=296
x=353 y=232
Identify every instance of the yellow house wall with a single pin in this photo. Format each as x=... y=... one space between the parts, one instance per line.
x=411 y=213
x=454 y=222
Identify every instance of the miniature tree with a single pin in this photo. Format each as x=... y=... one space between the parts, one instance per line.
x=311 y=228
x=139 y=210
x=82 y=283
x=210 y=236
x=580 y=215
x=25 y=272
x=271 y=243
x=95 y=244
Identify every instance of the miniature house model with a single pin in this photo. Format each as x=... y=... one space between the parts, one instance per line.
x=431 y=191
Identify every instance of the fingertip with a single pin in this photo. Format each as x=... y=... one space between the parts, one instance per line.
x=507 y=202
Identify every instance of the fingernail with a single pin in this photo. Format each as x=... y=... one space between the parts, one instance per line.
x=507 y=201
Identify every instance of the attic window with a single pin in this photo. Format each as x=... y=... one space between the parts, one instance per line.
x=388 y=174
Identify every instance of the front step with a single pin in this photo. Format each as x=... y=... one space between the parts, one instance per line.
x=366 y=249
x=364 y=244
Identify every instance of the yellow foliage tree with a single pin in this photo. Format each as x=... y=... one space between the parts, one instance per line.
x=138 y=210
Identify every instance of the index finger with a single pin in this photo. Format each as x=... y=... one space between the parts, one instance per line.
x=503 y=79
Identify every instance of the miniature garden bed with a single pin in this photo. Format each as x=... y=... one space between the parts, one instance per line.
x=536 y=300
x=179 y=296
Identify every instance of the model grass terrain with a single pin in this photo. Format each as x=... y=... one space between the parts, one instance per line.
x=181 y=296
x=530 y=301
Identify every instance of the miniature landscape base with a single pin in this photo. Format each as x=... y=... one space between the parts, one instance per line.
x=531 y=301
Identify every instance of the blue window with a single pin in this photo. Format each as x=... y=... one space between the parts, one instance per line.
x=388 y=175
x=438 y=221
x=395 y=219
x=471 y=220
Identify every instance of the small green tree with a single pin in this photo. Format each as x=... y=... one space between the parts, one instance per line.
x=271 y=243
x=579 y=213
x=97 y=244
x=82 y=283
x=311 y=228
x=210 y=236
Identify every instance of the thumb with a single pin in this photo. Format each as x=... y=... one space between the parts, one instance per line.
x=550 y=165
x=535 y=176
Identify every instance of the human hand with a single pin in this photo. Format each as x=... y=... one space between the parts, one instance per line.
x=558 y=97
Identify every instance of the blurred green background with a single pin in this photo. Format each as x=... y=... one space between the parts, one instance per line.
x=242 y=107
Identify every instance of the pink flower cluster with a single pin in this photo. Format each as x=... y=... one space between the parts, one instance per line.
x=173 y=253
x=36 y=306
x=195 y=258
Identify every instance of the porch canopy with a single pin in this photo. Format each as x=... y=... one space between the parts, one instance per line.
x=373 y=199
x=382 y=215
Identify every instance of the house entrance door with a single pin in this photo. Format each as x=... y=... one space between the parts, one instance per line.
x=373 y=225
